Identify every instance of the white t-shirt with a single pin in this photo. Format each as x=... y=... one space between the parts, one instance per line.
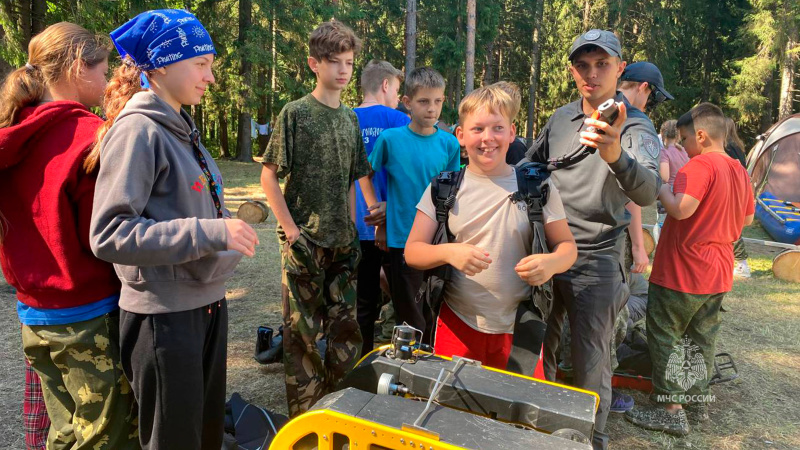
x=484 y=216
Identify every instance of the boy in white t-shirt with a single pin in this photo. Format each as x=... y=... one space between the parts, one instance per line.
x=493 y=238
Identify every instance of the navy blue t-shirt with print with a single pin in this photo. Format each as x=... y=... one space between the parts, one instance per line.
x=373 y=120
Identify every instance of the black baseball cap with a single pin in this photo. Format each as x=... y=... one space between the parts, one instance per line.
x=644 y=71
x=600 y=38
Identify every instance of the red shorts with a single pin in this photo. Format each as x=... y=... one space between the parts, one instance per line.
x=456 y=338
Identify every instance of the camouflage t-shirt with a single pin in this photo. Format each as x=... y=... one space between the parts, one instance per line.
x=319 y=152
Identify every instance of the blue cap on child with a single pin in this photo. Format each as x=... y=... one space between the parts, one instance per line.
x=158 y=38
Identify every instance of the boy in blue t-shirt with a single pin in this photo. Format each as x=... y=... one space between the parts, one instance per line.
x=380 y=82
x=412 y=156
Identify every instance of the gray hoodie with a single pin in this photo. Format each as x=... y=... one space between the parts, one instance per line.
x=153 y=214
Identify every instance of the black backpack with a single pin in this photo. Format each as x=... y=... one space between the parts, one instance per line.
x=530 y=323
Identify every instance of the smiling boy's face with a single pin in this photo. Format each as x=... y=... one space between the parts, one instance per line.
x=333 y=72
x=486 y=136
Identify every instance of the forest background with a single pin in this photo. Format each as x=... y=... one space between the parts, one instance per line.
x=740 y=54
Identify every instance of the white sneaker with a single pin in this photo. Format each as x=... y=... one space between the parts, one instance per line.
x=741 y=269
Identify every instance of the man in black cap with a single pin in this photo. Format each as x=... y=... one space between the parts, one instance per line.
x=594 y=193
x=643 y=86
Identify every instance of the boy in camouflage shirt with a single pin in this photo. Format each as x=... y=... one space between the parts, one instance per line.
x=318 y=150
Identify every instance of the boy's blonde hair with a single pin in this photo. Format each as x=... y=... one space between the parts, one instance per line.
x=332 y=38
x=494 y=98
x=375 y=72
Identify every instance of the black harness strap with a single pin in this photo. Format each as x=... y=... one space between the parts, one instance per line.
x=444 y=188
x=531 y=320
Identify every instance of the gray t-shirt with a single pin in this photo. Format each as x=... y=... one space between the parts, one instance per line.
x=594 y=192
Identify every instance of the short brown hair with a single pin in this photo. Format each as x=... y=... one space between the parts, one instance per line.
x=332 y=38
x=375 y=72
x=706 y=117
x=423 y=77
x=669 y=130
x=493 y=98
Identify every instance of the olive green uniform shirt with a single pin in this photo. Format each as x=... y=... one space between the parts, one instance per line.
x=320 y=153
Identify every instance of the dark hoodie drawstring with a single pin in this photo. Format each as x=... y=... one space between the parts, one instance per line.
x=212 y=185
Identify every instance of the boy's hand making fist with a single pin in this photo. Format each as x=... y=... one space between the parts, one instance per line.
x=468 y=258
x=536 y=269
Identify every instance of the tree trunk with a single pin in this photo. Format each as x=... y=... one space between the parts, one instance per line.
x=197 y=111
x=24 y=22
x=469 y=84
x=488 y=70
x=459 y=72
x=224 y=146
x=587 y=10
x=411 y=36
x=619 y=26
x=137 y=6
x=273 y=81
x=536 y=60
x=788 y=71
x=710 y=48
x=244 y=150
x=5 y=67
x=38 y=11
x=263 y=113
x=766 y=112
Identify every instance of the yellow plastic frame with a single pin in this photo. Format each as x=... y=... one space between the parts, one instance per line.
x=364 y=433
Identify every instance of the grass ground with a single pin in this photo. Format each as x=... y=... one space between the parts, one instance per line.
x=760 y=330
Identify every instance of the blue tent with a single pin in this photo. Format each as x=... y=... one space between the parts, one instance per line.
x=774 y=168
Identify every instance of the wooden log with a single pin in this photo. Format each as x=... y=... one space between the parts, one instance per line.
x=253 y=211
x=786 y=266
x=243 y=199
x=649 y=242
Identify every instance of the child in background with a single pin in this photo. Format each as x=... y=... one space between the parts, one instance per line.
x=672 y=157
x=380 y=82
x=709 y=204
x=411 y=156
x=67 y=298
x=734 y=147
x=492 y=252
x=317 y=147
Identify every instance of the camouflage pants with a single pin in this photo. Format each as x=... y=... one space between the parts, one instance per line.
x=739 y=250
x=88 y=398
x=319 y=297
x=681 y=334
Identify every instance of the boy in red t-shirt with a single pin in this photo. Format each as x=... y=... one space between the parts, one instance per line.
x=711 y=202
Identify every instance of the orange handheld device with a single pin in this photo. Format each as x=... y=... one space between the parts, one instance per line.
x=607 y=112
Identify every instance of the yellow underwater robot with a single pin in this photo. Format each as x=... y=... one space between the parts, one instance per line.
x=399 y=397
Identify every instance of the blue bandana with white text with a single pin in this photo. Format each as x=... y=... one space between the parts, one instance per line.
x=162 y=37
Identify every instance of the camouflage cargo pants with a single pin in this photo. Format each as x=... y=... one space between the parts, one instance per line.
x=88 y=398
x=681 y=334
x=319 y=297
